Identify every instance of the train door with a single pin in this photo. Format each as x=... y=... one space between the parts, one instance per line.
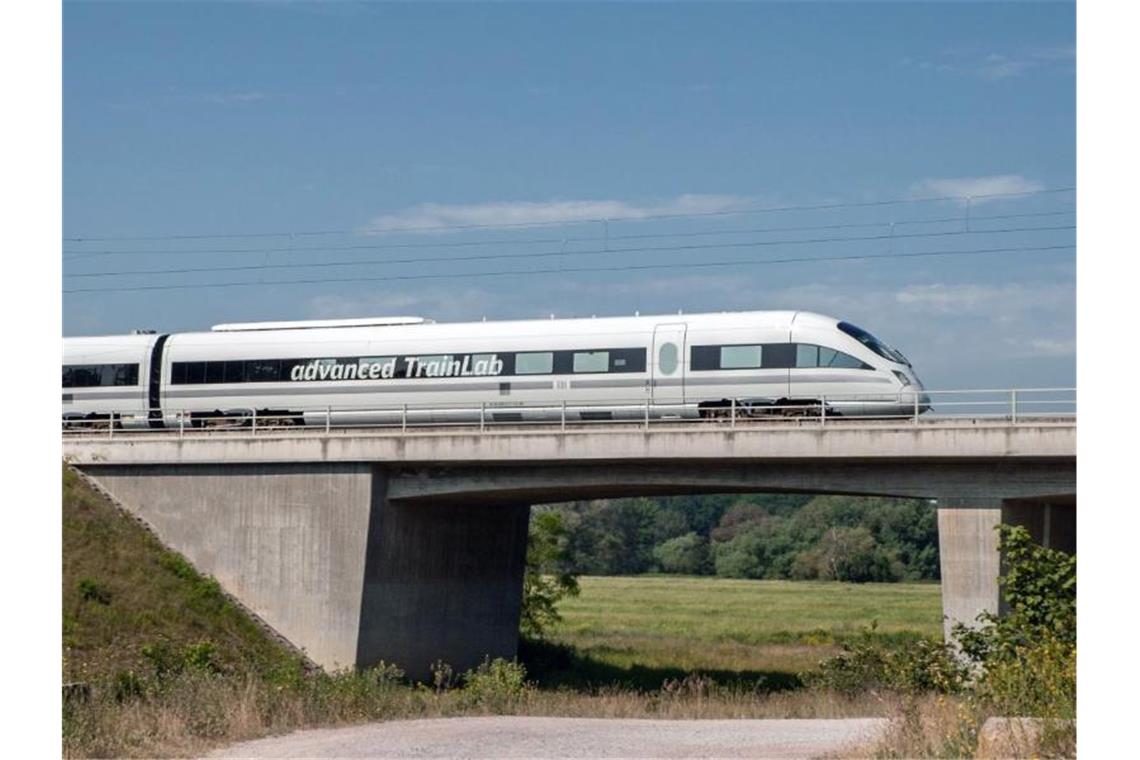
x=668 y=364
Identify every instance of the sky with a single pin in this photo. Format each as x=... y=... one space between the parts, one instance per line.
x=287 y=160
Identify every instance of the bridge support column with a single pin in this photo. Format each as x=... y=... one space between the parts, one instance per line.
x=968 y=548
x=320 y=554
x=442 y=582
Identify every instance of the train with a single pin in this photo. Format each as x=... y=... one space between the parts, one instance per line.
x=347 y=372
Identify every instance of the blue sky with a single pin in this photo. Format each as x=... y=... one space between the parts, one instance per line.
x=227 y=118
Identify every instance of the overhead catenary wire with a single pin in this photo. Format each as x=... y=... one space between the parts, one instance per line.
x=573 y=270
x=72 y=254
x=593 y=220
x=562 y=253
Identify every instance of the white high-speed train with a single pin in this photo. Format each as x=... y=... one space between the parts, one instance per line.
x=348 y=372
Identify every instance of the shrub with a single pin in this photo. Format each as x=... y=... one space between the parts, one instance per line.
x=495 y=685
x=385 y=675
x=1040 y=590
x=126 y=686
x=922 y=666
x=1026 y=659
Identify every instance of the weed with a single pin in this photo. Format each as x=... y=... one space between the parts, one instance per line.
x=495 y=685
x=92 y=591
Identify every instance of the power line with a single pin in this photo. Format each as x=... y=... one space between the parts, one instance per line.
x=597 y=220
x=560 y=270
x=563 y=253
x=563 y=240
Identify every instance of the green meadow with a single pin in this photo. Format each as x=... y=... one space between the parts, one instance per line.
x=744 y=627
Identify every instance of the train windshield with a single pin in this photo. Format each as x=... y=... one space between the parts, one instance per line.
x=873 y=343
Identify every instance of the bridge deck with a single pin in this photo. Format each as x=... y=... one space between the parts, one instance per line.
x=660 y=440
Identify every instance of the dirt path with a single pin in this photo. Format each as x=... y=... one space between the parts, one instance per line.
x=508 y=736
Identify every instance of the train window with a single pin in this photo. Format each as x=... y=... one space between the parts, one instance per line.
x=431 y=366
x=233 y=372
x=871 y=342
x=215 y=372
x=667 y=359
x=76 y=377
x=95 y=375
x=591 y=361
x=195 y=372
x=842 y=361
x=534 y=363
x=263 y=371
x=627 y=359
x=482 y=360
x=705 y=357
x=807 y=355
x=740 y=357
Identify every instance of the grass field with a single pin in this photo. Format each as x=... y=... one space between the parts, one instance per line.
x=654 y=627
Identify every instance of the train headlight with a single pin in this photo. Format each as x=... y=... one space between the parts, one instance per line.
x=902 y=377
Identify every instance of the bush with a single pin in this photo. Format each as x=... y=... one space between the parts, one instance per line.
x=923 y=666
x=495 y=685
x=1019 y=664
x=1040 y=590
x=1027 y=658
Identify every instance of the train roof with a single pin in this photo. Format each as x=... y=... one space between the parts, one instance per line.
x=381 y=327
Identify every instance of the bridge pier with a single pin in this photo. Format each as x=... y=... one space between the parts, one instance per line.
x=968 y=547
x=322 y=556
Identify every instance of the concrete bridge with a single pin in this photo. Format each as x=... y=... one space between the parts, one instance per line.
x=408 y=545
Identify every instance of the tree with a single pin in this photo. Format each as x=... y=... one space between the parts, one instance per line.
x=846 y=554
x=687 y=554
x=742 y=557
x=546 y=581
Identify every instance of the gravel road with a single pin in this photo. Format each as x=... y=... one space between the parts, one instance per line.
x=507 y=736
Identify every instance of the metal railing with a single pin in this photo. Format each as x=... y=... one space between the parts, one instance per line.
x=1018 y=406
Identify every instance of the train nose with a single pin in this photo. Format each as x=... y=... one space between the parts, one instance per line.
x=913 y=390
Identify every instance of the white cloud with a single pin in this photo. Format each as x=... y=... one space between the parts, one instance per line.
x=1052 y=347
x=975 y=188
x=986 y=300
x=434 y=216
x=226 y=98
x=996 y=66
x=440 y=304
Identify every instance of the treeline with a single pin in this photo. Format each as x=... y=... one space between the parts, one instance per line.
x=772 y=536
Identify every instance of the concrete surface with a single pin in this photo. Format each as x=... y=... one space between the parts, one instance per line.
x=318 y=552
x=626 y=443
x=287 y=540
x=529 y=737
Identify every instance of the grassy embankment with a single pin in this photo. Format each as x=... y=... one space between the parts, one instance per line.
x=174 y=668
